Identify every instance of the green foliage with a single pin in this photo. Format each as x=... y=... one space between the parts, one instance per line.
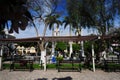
x=80 y=13
x=113 y=65
x=87 y=46
x=59 y=58
x=51 y=66
x=6 y=66
x=51 y=20
x=76 y=47
x=2 y=30
x=16 y=13
x=69 y=65
x=36 y=66
x=49 y=45
x=61 y=46
x=99 y=14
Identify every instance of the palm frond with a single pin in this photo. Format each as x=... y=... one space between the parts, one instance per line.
x=14 y=11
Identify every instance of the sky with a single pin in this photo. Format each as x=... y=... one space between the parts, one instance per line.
x=30 y=31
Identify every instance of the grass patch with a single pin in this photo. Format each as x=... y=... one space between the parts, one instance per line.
x=36 y=66
x=51 y=66
x=112 y=65
x=65 y=65
x=6 y=66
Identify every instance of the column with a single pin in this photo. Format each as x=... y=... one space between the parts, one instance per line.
x=1 y=53
x=82 y=47
x=53 y=48
x=71 y=49
x=93 y=58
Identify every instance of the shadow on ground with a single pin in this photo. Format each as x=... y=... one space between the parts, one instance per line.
x=65 y=78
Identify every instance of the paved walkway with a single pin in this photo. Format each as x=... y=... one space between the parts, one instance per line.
x=54 y=75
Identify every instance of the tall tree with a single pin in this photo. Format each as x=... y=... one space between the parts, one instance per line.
x=98 y=14
x=51 y=20
x=43 y=8
x=19 y=12
x=104 y=15
x=16 y=12
x=69 y=21
x=79 y=12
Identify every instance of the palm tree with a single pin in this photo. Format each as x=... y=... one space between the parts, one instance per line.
x=38 y=7
x=69 y=21
x=50 y=21
x=16 y=12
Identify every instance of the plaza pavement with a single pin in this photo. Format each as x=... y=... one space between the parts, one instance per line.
x=54 y=75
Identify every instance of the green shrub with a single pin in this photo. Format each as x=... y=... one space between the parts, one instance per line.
x=60 y=58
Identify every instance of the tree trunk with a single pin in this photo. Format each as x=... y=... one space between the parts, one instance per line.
x=41 y=45
x=43 y=58
x=43 y=50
